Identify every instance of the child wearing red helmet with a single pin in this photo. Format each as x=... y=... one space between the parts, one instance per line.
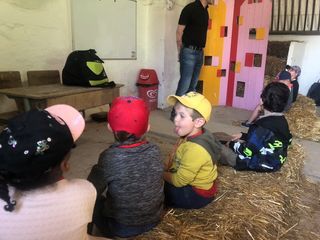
x=130 y=171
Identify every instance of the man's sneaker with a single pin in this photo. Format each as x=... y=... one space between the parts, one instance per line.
x=246 y=124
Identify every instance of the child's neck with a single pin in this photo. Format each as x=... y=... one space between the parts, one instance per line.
x=268 y=113
x=195 y=133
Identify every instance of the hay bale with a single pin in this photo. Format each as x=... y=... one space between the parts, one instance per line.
x=274 y=65
x=249 y=205
x=278 y=49
x=267 y=79
x=303 y=120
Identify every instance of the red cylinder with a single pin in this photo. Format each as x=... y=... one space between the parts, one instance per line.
x=148 y=84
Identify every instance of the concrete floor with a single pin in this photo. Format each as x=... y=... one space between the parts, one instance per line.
x=224 y=119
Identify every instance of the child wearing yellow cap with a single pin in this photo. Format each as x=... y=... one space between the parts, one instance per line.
x=191 y=172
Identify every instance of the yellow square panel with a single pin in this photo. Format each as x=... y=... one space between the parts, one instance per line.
x=211 y=83
x=240 y=20
x=260 y=34
x=238 y=67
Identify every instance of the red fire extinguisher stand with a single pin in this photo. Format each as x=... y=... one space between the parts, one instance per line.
x=148 y=84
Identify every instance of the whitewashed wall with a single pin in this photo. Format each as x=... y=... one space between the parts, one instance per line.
x=33 y=35
x=37 y=35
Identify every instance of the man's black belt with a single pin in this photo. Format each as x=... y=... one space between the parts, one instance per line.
x=193 y=47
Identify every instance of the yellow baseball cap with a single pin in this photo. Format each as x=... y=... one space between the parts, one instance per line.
x=194 y=101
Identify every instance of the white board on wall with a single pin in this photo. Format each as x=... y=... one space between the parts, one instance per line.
x=108 y=26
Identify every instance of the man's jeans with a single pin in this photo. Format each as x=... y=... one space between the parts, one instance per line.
x=190 y=65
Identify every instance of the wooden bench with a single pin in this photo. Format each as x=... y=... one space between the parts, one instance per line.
x=43 y=77
x=80 y=98
x=10 y=79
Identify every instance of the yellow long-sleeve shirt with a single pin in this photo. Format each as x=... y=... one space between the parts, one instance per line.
x=193 y=165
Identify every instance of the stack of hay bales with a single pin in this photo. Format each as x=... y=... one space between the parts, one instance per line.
x=249 y=205
x=274 y=65
x=276 y=59
x=303 y=120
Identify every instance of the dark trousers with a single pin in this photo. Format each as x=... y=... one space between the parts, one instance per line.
x=110 y=228
x=184 y=197
x=190 y=65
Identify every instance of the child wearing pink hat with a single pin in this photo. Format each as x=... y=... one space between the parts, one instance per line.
x=130 y=171
x=36 y=202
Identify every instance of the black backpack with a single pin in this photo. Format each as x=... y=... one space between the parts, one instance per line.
x=314 y=92
x=85 y=68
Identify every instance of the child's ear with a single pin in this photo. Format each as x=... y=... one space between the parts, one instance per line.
x=109 y=128
x=64 y=165
x=199 y=122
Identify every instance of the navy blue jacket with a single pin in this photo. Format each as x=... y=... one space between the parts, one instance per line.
x=264 y=148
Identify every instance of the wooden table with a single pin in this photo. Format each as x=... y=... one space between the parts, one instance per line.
x=80 y=98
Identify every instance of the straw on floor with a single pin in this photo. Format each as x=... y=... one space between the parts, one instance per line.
x=303 y=120
x=249 y=205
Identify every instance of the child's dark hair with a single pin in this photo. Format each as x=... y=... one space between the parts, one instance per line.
x=195 y=114
x=275 y=97
x=25 y=182
x=4 y=195
x=288 y=67
x=123 y=136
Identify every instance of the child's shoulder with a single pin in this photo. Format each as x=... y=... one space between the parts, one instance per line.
x=78 y=184
x=119 y=151
x=195 y=147
x=277 y=119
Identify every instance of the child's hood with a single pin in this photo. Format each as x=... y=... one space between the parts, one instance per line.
x=278 y=125
x=208 y=141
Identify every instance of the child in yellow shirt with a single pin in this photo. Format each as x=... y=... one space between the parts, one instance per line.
x=191 y=172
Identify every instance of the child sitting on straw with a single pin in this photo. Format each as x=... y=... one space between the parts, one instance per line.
x=130 y=171
x=191 y=172
x=36 y=202
x=283 y=77
x=264 y=147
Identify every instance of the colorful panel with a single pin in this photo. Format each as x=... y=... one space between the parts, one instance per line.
x=215 y=49
x=215 y=61
x=252 y=33
x=260 y=33
x=252 y=39
x=240 y=89
x=209 y=23
x=223 y=31
x=199 y=87
x=232 y=66
x=257 y=60
x=240 y=20
x=207 y=60
x=221 y=72
x=211 y=83
x=238 y=67
x=249 y=60
x=254 y=1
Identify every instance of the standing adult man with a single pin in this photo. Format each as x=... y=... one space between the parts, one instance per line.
x=191 y=39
